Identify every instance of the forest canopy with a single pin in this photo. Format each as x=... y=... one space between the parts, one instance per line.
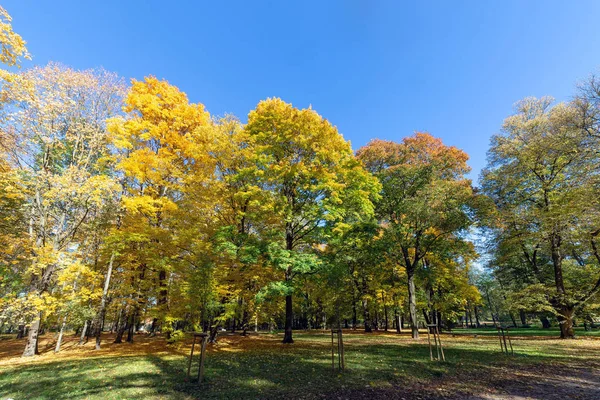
x=126 y=207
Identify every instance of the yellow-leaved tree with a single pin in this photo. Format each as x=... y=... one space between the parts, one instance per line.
x=54 y=118
x=316 y=184
x=163 y=153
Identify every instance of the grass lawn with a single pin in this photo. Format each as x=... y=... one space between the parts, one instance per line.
x=378 y=365
x=533 y=331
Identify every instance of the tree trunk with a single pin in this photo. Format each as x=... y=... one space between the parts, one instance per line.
x=131 y=329
x=354 y=317
x=385 y=311
x=476 y=309
x=412 y=303
x=545 y=322
x=214 y=331
x=523 y=318
x=83 y=333
x=427 y=319
x=289 y=310
x=565 y=320
x=60 y=335
x=366 y=316
x=398 y=323
x=122 y=327
x=565 y=311
x=21 y=332
x=487 y=294
x=103 y=301
x=512 y=318
x=31 y=348
x=289 y=320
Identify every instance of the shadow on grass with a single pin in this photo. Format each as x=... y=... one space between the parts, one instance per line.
x=373 y=371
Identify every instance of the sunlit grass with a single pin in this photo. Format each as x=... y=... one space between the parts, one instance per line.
x=262 y=367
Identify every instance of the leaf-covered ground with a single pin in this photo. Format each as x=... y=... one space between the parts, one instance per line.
x=378 y=365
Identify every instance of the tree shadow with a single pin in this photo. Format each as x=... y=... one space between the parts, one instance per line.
x=280 y=371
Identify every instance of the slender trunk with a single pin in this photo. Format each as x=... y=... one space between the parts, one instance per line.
x=366 y=316
x=545 y=322
x=103 y=301
x=83 y=333
x=523 y=318
x=289 y=320
x=60 y=335
x=426 y=316
x=412 y=303
x=512 y=318
x=131 y=329
x=245 y=321
x=385 y=311
x=398 y=324
x=214 y=331
x=121 y=327
x=487 y=294
x=354 y=316
x=476 y=309
x=153 y=326
x=31 y=348
x=21 y=332
x=289 y=310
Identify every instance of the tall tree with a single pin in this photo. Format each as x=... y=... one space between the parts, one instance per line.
x=425 y=199
x=163 y=144
x=314 y=179
x=542 y=176
x=55 y=117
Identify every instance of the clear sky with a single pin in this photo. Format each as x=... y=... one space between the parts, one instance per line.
x=376 y=69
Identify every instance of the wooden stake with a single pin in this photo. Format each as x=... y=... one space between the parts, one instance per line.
x=429 y=341
x=500 y=337
x=440 y=340
x=332 y=353
x=202 y=354
x=191 y=355
x=342 y=348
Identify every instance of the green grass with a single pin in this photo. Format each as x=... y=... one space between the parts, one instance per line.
x=273 y=370
x=533 y=331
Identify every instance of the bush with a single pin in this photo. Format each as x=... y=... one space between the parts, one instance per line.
x=175 y=337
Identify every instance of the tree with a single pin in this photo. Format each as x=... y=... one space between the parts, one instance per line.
x=163 y=144
x=425 y=199
x=313 y=178
x=12 y=44
x=542 y=177
x=55 y=119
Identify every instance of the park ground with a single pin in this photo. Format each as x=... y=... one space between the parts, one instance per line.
x=378 y=366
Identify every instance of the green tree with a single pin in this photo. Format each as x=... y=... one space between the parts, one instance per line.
x=542 y=176
x=425 y=199
x=314 y=180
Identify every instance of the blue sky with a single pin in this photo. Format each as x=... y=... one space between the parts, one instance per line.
x=376 y=69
